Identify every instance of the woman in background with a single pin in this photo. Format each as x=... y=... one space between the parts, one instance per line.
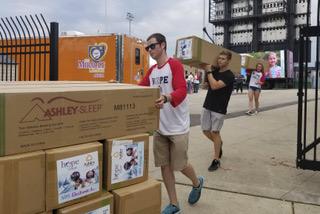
x=254 y=90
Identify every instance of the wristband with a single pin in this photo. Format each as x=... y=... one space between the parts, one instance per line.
x=165 y=99
x=210 y=72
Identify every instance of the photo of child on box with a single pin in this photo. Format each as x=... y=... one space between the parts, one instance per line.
x=77 y=176
x=127 y=160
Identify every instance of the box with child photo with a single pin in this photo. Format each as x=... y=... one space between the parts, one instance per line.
x=125 y=161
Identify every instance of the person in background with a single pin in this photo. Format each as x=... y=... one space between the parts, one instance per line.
x=196 y=82
x=189 y=83
x=170 y=141
x=257 y=79
x=220 y=84
x=186 y=75
x=239 y=83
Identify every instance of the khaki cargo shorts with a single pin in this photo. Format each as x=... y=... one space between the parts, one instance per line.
x=171 y=150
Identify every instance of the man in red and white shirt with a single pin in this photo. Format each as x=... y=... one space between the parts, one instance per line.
x=170 y=142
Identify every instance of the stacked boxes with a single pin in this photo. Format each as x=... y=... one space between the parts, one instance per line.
x=35 y=117
x=126 y=161
x=22 y=183
x=103 y=204
x=61 y=143
x=73 y=174
x=141 y=198
x=194 y=51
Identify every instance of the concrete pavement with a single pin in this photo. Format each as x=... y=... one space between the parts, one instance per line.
x=258 y=172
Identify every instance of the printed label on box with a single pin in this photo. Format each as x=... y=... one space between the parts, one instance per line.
x=127 y=161
x=184 y=49
x=77 y=176
x=102 y=210
x=243 y=60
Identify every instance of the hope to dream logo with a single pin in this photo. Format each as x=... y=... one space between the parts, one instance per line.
x=89 y=161
x=89 y=158
x=116 y=155
x=98 y=52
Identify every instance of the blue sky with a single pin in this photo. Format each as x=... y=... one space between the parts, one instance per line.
x=174 y=19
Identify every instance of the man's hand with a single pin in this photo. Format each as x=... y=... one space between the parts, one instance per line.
x=206 y=67
x=205 y=85
x=113 y=81
x=159 y=102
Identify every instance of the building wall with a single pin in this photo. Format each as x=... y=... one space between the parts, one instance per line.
x=271 y=28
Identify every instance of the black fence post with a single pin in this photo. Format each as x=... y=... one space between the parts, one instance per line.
x=54 y=51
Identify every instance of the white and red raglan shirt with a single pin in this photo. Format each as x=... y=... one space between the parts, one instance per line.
x=174 y=116
x=257 y=76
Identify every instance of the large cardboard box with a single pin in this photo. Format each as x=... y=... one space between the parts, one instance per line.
x=5 y=84
x=49 y=115
x=140 y=198
x=73 y=174
x=194 y=51
x=22 y=183
x=125 y=161
x=101 y=205
x=249 y=62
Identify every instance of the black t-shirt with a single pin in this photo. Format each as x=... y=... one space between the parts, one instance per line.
x=217 y=100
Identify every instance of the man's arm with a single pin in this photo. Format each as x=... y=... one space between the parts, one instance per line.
x=214 y=84
x=178 y=84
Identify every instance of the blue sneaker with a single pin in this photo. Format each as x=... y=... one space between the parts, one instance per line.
x=170 y=209
x=196 y=192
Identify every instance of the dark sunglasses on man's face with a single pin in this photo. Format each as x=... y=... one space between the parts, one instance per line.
x=152 y=46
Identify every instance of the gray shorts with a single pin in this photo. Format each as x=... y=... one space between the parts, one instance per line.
x=211 y=120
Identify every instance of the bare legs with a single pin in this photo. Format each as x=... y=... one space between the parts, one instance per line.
x=253 y=94
x=215 y=137
x=256 y=99
x=250 y=94
x=169 y=180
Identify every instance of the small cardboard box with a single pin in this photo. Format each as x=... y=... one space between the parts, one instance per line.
x=22 y=183
x=49 y=115
x=140 y=198
x=73 y=174
x=194 y=51
x=125 y=161
x=249 y=62
x=103 y=205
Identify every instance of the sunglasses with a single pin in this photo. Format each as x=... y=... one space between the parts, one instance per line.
x=152 y=46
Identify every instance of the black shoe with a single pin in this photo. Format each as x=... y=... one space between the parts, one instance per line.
x=214 y=165
x=249 y=113
x=220 y=153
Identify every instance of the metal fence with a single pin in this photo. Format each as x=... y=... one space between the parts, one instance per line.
x=308 y=151
x=28 y=49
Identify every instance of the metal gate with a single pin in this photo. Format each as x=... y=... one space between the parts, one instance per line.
x=28 y=49
x=308 y=151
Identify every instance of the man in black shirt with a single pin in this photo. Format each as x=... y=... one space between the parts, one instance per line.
x=220 y=84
